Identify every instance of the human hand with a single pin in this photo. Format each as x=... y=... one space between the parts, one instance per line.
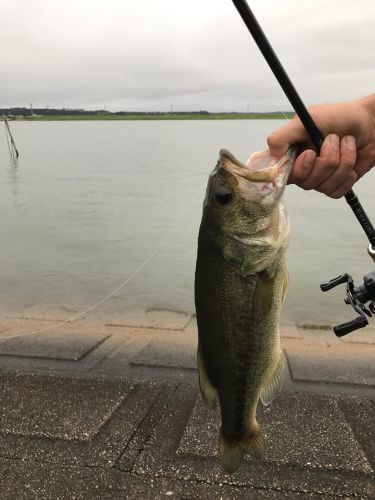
x=347 y=153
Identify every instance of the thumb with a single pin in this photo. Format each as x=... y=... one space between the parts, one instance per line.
x=291 y=133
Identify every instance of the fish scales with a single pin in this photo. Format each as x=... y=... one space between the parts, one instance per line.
x=240 y=282
x=234 y=322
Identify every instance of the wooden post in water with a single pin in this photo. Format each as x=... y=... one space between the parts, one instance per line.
x=11 y=144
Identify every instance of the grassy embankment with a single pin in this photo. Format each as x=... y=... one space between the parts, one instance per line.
x=166 y=116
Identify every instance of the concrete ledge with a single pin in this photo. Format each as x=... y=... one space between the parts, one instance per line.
x=179 y=354
x=152 y=318
x=49 y=312
x=339 y=363
x=59 y=344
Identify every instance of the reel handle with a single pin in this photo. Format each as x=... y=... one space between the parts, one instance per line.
x=343 y=278
x=350 y=326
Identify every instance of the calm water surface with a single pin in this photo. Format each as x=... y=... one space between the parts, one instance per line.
x=88 y=202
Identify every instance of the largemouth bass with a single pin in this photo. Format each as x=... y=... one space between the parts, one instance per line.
x=240 y=284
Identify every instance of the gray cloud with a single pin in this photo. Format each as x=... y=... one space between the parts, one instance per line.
x=196 y=55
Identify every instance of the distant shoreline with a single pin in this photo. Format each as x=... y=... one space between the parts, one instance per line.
x=157 y=116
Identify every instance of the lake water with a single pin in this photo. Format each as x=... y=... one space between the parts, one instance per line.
x=88 y=202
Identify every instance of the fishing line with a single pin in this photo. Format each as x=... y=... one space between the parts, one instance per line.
x=124 y=283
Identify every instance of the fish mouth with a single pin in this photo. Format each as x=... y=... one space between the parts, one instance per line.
x=260 y=167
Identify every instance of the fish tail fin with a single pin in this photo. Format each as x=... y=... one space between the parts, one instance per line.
x=208 y=391
x=231 y=450
x=254 y=442
x=231 y=453
x=273 y=386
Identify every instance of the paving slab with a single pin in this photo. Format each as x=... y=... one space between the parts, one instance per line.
x=3 y=327
x=136 y=446
x=5 y=465
x=131 y=342
x=363 y=336
x=50 y=482
x=30 y=346
x=181 y=353
x=152 y=318
x=12 y=327
x=72 y=421
x=74 y=409
x=339 y=363
x=311 y=448
x=360 y=415
x=83 y=438
x=10 y=305
x=50 y=312
x=325 y=336
x=285 y=318
x=54 y=344
x=192 y=328
x=288 y=439
x=290 y=331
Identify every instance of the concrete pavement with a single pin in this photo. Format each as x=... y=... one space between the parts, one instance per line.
x=109 y=408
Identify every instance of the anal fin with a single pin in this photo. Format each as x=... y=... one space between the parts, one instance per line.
x=269 y=391
x=208 y=391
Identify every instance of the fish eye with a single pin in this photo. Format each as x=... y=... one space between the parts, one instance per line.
x=223 y=195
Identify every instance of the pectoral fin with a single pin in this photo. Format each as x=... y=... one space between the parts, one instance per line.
x=285 y=287
x=269 y=392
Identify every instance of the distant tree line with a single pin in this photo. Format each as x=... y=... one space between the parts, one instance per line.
x=18 y=111
x=50 y=111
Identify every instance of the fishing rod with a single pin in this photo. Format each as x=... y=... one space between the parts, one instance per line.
x=355 y=296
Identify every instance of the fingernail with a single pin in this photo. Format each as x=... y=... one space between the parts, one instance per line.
x=309 y=159
x=350 y=142
x=334 y=141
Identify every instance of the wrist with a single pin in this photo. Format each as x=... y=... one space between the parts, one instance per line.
x=369 y=104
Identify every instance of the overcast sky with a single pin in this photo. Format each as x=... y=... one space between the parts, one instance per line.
x=191 y=54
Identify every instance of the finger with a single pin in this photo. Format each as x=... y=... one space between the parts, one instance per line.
x=302 y=167
x=325 y=164
x=347 y=162
x=345 y=186
x=291 y=133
